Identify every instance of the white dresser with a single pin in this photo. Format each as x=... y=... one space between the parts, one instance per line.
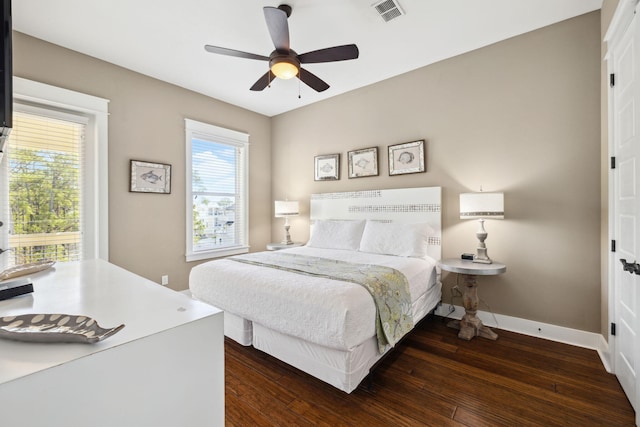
x=165 y=368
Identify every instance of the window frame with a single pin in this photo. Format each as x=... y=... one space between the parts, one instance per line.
x=96 y=161
x=220 y=135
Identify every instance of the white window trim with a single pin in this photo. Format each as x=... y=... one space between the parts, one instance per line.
x=215 y=133
x=96 y=196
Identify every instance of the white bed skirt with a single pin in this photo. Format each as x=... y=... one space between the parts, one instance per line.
x=238 y=329
x=343 y=369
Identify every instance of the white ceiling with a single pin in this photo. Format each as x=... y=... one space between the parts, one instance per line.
x=165 y=38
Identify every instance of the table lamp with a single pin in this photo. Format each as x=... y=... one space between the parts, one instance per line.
x=481 y=206
x=286 y=209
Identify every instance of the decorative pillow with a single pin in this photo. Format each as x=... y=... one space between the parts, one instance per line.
x=336 y=234
x=394 y=238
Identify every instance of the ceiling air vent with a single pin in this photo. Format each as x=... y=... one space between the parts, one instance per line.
x=388 y=9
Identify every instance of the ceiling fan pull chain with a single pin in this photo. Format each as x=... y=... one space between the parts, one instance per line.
x=299 y=87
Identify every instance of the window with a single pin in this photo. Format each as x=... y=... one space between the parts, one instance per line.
x=44 y=157
x=217 y=210
x=53 y=205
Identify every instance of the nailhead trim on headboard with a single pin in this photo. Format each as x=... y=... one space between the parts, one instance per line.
x=395 y=208
x=348 y=195
x=435 y=241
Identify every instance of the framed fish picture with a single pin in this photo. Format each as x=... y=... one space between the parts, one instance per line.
x=147 y=177
x=327 y=167
x=363 y=162
x=406 y=158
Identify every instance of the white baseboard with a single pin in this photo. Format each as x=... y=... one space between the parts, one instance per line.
x=532 y=328
x=604 y=351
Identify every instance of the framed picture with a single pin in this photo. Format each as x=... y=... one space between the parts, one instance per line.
x=327 y=167
x=406 y=158
x=147 y=177
x=363 y=162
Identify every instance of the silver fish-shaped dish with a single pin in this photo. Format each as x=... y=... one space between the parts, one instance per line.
x=54 y=328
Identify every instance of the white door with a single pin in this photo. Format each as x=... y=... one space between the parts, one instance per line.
x=626 y=210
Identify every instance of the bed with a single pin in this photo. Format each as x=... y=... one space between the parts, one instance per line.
x=327 y=327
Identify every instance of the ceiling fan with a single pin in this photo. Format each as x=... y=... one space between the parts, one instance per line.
x=284 y=62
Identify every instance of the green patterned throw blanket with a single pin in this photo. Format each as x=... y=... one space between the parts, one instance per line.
x=388 y=287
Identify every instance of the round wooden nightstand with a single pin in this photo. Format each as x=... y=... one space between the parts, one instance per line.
x=470 y=325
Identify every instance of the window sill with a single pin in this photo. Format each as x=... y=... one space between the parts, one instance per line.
x=217 y=253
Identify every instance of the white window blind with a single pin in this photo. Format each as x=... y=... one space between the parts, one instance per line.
x=45 y=174
x=217 y=210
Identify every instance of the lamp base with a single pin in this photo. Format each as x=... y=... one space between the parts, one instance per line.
x=481 y=255
x=287 y=237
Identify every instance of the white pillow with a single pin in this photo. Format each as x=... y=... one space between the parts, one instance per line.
x=336 y=234
x=394 y=238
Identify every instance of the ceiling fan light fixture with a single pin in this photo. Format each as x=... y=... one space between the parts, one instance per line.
x=284 y=68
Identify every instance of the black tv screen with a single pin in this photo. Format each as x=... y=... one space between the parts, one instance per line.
x=6 y=74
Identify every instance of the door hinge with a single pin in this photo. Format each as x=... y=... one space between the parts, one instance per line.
x=613 y=162
x=613 y=246
x=612 y=80
x=613 y=329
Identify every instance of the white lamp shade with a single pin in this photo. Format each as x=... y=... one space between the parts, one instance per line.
x=481 y=205
x=286 y=208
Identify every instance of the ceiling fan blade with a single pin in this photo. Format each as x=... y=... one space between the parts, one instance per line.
x=313 y=81
x=330 y=54
x=233 y=52
x=263 y=81
x=278 y=27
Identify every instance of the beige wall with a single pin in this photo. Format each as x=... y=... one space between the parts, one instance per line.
x=521 y=116
x=146 y=122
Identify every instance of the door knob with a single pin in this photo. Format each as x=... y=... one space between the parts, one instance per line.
x=630 y=267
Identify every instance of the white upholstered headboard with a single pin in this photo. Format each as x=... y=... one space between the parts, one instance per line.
x=408 y=205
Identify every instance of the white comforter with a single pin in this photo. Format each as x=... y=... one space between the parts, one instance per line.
x=331 y=313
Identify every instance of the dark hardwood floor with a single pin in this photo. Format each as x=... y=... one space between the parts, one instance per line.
x=435 y=379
